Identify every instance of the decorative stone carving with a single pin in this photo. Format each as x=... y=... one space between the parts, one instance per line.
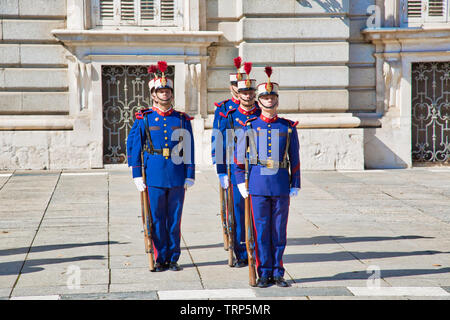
x=392 y=73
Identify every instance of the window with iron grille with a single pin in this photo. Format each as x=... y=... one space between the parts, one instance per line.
x=423 y=12
x=137 y=12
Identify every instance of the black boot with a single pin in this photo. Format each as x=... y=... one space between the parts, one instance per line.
x=241 y=263
x=263 y=282
x=173 y=266
x=159 y=267
x=279 y=281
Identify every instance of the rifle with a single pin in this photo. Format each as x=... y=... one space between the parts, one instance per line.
x=143 y=222
x=147 y=219
x=223 y=216
x=249 y=239
x=231 y=226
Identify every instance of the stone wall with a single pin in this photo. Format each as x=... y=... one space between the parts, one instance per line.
x=322 y=62
x=33 y=69
x=37 y=128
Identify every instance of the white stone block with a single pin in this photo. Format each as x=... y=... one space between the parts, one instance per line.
x=319 y=7
x=42 y=8
x=9 y=54
x=362 y=53
x=216 y=9
x=216 y=96
x=362 y=77
x=9 y=8
x=321 y=52
x=356 y=25
x=323 y=100
x=24 y=150
x=307 y=76
x=42 y=54
x=313 y=101
x=268 y=52
x=331 y=149
x=388 y=147
x=232 y=31
x=298 y=7
x=45 y=102
x=35 y=78
x=360 y=7
x=30 y=29
x=10 y=102
x=222 y=55
x=2 y=78
x=268 y=6
x=363 y=100
x=219 y=78
x=295 y=28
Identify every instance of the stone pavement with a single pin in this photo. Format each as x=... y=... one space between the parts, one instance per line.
x=344 y=229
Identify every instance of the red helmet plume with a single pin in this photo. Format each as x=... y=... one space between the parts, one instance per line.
x=152 y=69
x=162 y=66
x=237 y=62
x=268 y=71
x=247 y=67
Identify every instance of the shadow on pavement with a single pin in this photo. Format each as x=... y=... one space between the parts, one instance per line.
x=13 y=267
x=50 y=247
x=362 y=275
x=351 y=255
x=342 y=239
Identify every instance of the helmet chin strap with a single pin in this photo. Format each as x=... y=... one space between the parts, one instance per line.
x=235 y=93
x=247 y=100
x=163 y=100
x=272 y=107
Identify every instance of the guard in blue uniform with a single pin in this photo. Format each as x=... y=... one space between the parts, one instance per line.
x=218 y=139
x=272 y=148
x=165 y=136
x=153 y=70
x=231 y=117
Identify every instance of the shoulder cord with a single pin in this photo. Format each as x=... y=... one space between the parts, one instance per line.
x=149 y=137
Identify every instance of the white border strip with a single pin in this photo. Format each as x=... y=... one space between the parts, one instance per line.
x=50 y=297
x=399 y=291
x=6 y=175
x=206 y=294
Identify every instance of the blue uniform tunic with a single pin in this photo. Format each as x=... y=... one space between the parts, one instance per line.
x=269 y=186
x=227 y=113
x=165 y=173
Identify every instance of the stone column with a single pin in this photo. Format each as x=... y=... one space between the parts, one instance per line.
x=78 y=14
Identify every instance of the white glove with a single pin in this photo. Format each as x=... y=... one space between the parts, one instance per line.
x=188 y=182
x=139 y=182
x=224 y=182
x=293 y=192
x=243 y=190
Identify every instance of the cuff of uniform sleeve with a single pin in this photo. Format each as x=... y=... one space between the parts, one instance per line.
x=190 y=172
x=221 y=168
x=239 y=178
x=137 y=171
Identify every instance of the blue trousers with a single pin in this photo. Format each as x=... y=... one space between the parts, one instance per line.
x=270 y=216
x=240 y=249
x=166 y=205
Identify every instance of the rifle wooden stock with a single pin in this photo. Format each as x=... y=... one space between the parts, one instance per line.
x=148 y=221
x=249 y=239
x=143 y=222
x=223 y=217
x=230 y=220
